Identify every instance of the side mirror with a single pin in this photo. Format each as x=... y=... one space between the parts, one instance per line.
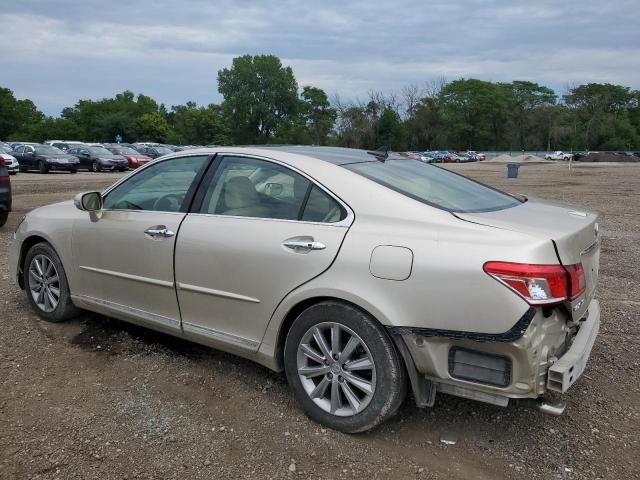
x=273 y=189
x=88 y=201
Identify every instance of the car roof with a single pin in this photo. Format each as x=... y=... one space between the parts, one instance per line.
x=333 y=155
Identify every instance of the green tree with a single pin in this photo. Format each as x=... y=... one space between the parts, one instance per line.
x=53 y=128
x=152 y=127
x=390 y=130
x=524 y=98
x=476 y=113
x=259 y=94
x=16 y=116
x=318 y=115
x=198 y=125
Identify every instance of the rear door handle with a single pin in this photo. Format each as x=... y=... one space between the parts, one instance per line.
x=304 y=245
x=159 y=231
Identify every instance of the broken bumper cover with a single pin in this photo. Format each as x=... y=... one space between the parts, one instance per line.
x=543 y=357
x=565 y=372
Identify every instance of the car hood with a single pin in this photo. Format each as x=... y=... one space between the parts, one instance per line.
x=8 y=156
x=574 y=232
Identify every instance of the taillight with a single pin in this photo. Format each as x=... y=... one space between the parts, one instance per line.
x=1 y=161
x=578 y=283
x=539 y=284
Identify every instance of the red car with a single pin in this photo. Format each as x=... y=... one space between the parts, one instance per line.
x=135 y=158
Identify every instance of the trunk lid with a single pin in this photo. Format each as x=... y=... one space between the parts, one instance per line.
x=574 y=233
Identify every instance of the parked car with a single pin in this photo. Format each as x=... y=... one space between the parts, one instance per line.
x=355 y=272
x=6 y=153
x=97 y=159
x=44 y=158
x=480 y=157
x=559 y=155
x=153 y=151
x=135 y=158
x=5 y=193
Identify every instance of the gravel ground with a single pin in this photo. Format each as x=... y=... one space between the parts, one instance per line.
x=98 y=398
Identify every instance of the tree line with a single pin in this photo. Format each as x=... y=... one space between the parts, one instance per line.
x=263 y=103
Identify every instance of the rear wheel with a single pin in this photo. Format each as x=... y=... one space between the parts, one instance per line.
x=42 y=167
x=3 y=218
x=46 y=284
x=343 y=368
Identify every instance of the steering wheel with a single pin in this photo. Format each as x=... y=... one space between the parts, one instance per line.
x=170 y=202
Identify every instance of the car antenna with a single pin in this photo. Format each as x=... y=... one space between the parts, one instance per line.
x=381 y=153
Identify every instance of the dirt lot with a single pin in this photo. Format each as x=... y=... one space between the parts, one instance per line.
x=98 y=398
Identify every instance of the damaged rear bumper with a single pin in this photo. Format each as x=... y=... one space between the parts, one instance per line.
x=548 y=355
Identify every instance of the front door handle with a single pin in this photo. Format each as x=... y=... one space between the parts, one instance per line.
x=304 y=245
x=159 y=231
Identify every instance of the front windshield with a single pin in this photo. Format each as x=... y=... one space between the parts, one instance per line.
x=100 y=151
x=48 y=150
x=435 y=186
x=4 y=149
x=163 y=150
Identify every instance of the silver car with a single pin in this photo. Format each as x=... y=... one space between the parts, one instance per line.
x=360 y=274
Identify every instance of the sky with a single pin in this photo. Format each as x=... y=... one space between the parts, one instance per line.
x=56 y=52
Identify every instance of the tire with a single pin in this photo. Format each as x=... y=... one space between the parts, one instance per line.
x=95 y=167
x=13 y=173
x=3 y=218
x=42 y=167
x=43 y=254
x=386 y=379
x=73 y=171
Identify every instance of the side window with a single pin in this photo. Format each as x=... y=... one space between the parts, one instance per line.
x=249 y=187
x=28 y=149
x=321 y=207
x=160 y=188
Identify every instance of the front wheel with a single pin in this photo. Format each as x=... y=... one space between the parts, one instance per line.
x=42 y=167
x=343 y=368
x=46 y=284
x=95 y=167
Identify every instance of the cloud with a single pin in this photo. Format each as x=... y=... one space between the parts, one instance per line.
x=64 y=50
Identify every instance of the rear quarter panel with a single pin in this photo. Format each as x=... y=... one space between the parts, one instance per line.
x=447 y=288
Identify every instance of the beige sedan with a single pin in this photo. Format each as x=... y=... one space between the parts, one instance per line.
x=360 y=274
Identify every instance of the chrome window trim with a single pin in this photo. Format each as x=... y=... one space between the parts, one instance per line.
x=340 y=224
x=142 y=211
x=346 y=221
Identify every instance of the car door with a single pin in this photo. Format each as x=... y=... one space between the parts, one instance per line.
x=258 y=231
x=19 y=154
x=30 y=156
x=124 y=253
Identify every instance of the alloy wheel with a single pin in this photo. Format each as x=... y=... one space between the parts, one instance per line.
x=44 y=283
x=336 y=369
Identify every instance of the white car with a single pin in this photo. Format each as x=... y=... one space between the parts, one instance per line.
x=559 y=155
x=9 y=160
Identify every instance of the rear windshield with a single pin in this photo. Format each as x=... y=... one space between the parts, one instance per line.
x=435 y=186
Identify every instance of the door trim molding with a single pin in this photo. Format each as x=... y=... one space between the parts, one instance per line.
x=127 y=276
x=220 y=336
x=216 y=293
x=130 y=311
